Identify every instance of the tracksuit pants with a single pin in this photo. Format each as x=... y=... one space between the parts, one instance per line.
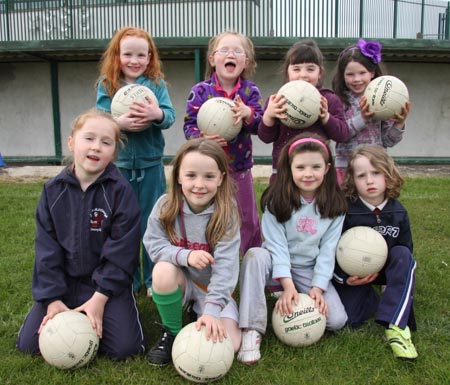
x=395 y=306
x=122 y=331
x=256 y=274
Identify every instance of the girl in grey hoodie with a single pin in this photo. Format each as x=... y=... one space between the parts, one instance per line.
x=193 y=238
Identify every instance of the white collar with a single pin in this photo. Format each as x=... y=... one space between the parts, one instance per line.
x=372 y=207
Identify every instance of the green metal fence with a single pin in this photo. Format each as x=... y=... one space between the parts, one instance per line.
x=27 y=20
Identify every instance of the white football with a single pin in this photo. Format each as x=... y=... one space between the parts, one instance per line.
x=200 y=360
x=305 y=326
x=386 y=95
x=361 y=251
x=215 y=117
x=125 y=96
x=68 y=340
x=302 y=102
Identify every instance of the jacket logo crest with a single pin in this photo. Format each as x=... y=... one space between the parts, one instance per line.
x=97 y=216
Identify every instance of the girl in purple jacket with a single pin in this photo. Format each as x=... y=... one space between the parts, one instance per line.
x=230 y=62
x=304 y=61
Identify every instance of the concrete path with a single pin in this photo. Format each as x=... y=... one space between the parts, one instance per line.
x=31 y=173
x=260 y=172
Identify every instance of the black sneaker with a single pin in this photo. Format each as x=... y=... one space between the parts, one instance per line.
x=161 y=353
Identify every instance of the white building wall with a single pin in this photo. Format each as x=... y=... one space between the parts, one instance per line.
x=26 y=120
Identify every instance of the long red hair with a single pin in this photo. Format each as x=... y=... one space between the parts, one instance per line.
x=110 y=74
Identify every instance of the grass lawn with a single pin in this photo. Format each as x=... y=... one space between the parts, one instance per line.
x=348 y=357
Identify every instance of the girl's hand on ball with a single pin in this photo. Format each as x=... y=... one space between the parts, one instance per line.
x=242 y=112
x=400 y=118
x=276 y=109
x=216 y=138
x=289 y=295
x=214 y=327
x=316 y=294
x=324 y=115
x=94 y=308
x=284 y=304
x=364 y=105
x=129 y=122
x=125 y=121
x=355 y=280
x=146 y=112
x=53 y=308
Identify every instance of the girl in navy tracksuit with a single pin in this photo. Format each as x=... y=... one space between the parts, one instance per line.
x=372 y=183
x=87 y=243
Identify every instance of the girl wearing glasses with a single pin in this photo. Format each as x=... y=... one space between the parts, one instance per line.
x=230 y=62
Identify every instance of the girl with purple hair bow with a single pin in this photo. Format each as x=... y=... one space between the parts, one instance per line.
x=357 y=66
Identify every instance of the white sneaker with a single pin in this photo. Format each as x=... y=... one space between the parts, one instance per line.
x=249 y=352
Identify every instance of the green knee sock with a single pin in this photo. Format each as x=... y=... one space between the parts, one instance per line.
x=170 y=308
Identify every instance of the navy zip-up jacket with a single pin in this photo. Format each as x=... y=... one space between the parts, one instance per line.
x=92 y=236
x=392 y=223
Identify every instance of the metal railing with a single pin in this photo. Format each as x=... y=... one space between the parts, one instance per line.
x=28 y=20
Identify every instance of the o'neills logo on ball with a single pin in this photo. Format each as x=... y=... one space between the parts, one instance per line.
x=198 y=378
x=387 y=87
x=228 y=103
x=90 y=352
x=128 y=90
x=294 y=315
x=137 y=92
x=304 y=325
x=301 y=112
x=296 y=120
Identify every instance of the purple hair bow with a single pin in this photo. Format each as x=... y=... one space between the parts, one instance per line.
x=370 y=49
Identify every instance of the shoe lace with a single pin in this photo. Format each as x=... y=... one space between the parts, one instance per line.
x=164 y=340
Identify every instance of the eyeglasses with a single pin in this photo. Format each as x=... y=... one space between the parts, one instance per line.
x=225 y=51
